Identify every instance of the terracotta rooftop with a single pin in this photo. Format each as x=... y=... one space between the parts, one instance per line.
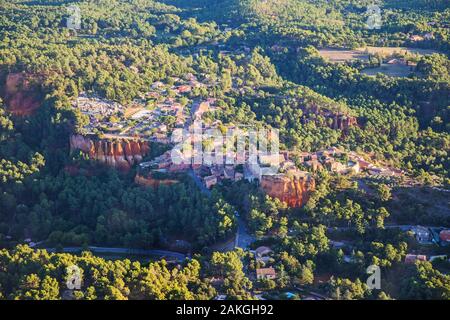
x=266 y=272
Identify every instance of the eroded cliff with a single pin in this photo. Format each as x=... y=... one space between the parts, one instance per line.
x=121 y=154
x=295 y=190
x=339 y=120
x=343 y=122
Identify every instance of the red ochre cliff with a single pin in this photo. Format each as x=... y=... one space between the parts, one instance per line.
x=21 y=94
x=294 y=190
x=339 y=120
x=120 y=154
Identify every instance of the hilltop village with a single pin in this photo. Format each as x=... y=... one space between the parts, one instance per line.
x=120 y=136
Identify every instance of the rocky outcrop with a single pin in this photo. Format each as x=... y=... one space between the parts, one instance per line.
x=338 y=120
x=343 y=122
x=22 y=93
x=295 y=190
x=121 y=154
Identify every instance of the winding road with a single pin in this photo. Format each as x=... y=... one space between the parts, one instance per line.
x=129 y=251
x=243 y=238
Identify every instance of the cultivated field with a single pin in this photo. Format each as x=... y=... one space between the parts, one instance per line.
x=389 y=51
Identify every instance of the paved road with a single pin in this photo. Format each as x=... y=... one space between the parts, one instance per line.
x=130 y=251
x=243 y=238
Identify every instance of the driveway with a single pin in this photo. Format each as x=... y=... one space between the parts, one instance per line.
x=243 y=238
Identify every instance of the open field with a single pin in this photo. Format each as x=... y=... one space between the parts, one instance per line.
x=341 y=55
x=392 y=70
x=344 y=55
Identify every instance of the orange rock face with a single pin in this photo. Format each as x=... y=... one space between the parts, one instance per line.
x=295 y=191
x=119 y=154
x=128 y=152
x=339 y=121
x=21 y=94
x=136 y=150
x=121 y=161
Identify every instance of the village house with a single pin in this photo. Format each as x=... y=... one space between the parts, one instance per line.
x=412 y=258
x=210 y=181
x=262 y=254
x=228 y=172
x=334 y=151
x=179 y=167
x=162 y=128
x=184 y=89
x=277 y=48
x=335 y=166
x=353 y=167
x=363 y=165
x=161 y=138
x=266 y=273
x=217 y=171
x=152 y=94
x=252 y=173
x=285 y=155
x=381 y=172
x=315 y=165
x=199 y=109
x=441 y=257
x=398 y=62
x=240 y=157
x=270 y=159
x=444 y=236
x=190 y=77
x=429 y=36
x=238 y=176
x=416 y=37
x=287 y=165
x=262 y=251
x=337 y=244
x=217 y=281
x=157 y=85
x=422 y=234
x=304 y=156
x=141 y=114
